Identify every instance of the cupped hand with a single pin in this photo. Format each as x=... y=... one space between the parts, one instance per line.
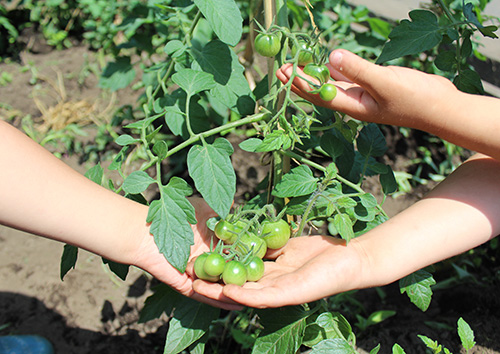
x=308 y=268
x=152 y=261
x=380 y=94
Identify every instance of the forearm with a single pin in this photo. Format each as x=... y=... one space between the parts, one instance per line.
x=460 y=214
x=42 y=195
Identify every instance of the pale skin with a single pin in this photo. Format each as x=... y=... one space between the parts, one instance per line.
x=458 y=215
x=43 y=196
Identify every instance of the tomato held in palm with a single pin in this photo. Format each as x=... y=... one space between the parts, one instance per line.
x=275 y=233
x=214 y=264
x=268 y=44
x=319 y=72
x=234 y=273
x=306 y=55
x=328 y=92
x=199 y=270
x=229 y=231
x=255 y=269
x=250 y=242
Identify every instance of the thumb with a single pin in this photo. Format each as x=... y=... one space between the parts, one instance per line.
x=348 y=66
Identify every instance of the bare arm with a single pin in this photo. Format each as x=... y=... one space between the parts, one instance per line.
x=408 y=98
x=42 y=195
x=461 y=213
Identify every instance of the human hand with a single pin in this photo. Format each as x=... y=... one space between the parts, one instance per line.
x=373 y=93
x=152 y=261
x=308 y=268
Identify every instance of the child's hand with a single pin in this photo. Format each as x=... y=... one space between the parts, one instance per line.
x=373 y=93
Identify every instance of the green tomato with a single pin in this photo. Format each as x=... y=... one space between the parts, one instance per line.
x=268 y=44
x=250 y=242
x=318 y=71
x=275 y=233
x=214 y=264
x=255 y=269
x=228 y=231
x=234 y=273
x=199 y=265
x=306 y=55
x=328 y=92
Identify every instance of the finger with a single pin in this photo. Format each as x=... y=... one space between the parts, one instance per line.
x=347 y=66
x=223 y=303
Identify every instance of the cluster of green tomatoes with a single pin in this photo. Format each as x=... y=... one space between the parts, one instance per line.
x=237 y=258
x=305 y=52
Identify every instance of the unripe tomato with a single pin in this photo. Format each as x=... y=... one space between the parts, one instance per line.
x=328 y=92
x=199 y=270
x=250 y=242
x=275 y=233
x=214 y=264
x=255 y=269
x=305 y=55
x=319 y=72
x=227 y=231
x=267 y=44
x=234 y=273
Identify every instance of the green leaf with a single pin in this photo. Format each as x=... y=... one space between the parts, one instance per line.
x=375 y=350
x=95 y=174
x=117 y=75
x=126 y=139
x=418 y=288
x=333 y=346
x=174 y=48
x=160 y=149
x=193 y=81
x=121 y=270
x=396 y=349
x=466 y=334
x=224 y=17
x=190 y=322
x=250 y=145
x=298 y=182
x=213 y=174
x=137 y=182
x=283 y=330
x=274 y=141
x=161 y=301
x=333 y=146
x=371 y=141
x=469 y=81
x=232 y=89
x=388 y=182
x=343 y=224
x=68 y=259
x=412 y=37
x=170 y=219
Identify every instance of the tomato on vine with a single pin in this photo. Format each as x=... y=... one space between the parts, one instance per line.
x=214 y=264
x=234 y=273
x=228 y=231
x=255 y=268
x=249 y=242
x=267 y=44
x=318 y=71
x=199 y=265
x=275 y=233
x=306 y=55
x=328 y=92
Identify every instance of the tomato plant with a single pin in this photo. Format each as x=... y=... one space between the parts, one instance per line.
x=203 y=89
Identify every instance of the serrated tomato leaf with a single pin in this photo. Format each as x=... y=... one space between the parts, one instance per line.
x=213 y=174
x=298 y=182
x=413 y=36
x=224 y=17
x=137 y=182
x=418 y=288
x=193 y=81
x=68 y=259
x=170 y=218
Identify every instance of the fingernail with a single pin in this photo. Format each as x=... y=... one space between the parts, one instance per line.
x=337 y=60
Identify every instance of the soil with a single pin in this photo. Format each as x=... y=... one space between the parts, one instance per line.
x=91 y=311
